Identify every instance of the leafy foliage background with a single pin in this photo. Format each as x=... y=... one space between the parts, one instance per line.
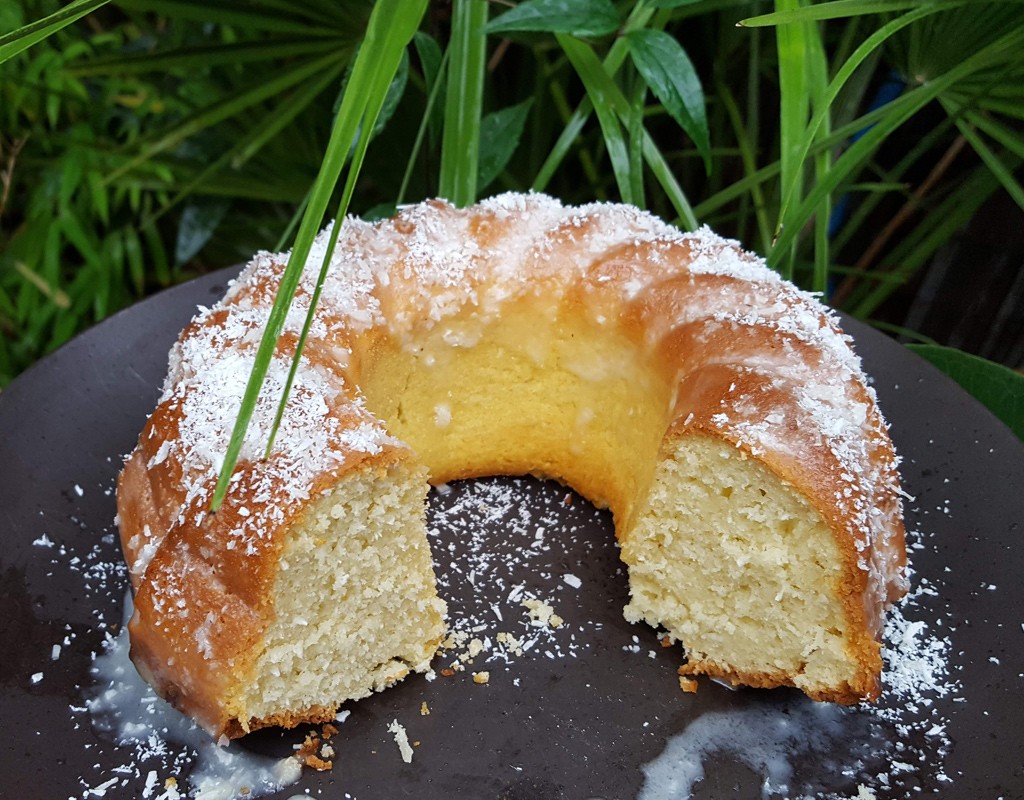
x=150 y=140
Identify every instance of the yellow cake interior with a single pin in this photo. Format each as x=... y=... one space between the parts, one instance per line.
x=722 y=554
x=355 y=601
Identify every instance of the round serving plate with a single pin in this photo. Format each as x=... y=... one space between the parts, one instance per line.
x=518 y=708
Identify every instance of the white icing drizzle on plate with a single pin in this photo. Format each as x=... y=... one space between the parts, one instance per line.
x=767 y=739
x=884 y=744
x=125 y=707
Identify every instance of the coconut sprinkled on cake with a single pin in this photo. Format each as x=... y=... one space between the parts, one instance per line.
x=433 y=263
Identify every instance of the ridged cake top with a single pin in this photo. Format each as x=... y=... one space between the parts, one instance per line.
x=434 y=264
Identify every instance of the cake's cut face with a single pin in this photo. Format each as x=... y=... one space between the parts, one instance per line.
x=354 y=600
x=348 y=606
x=736 y=564
x=718 y=411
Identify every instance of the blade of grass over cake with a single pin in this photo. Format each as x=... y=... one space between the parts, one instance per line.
x=391 y=27
x=377 y=94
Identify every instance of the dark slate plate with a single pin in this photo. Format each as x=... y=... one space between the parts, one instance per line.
x=578 y=715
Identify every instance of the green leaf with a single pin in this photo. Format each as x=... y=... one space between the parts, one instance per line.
x=577 y=17
x=500 y=133
x=792 y=45
x=23 y=38
x=671 y=76
x=198 y=222
x=998 y=388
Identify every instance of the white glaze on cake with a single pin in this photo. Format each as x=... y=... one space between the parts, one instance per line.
x=753 y=363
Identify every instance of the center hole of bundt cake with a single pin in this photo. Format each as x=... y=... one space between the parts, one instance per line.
x=559 y=397
x=722 y=553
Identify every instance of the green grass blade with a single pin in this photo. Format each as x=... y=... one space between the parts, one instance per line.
x=434 y=65
x=570 y=132
x=746 y=147
x=838 y=9
x=817 y=79
x=792 y=46
x=603 y=93
x=1013 y=108
x=19 y=40
x=666 y=177
x=224 y=109
x=635 y=138
x=382 y=47
x=1005 y=136
x=436 y=87
x=460 y=146
x=203 y=57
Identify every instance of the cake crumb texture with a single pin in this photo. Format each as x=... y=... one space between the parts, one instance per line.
x=716 y=410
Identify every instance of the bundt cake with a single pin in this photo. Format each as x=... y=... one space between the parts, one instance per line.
x=718 y=411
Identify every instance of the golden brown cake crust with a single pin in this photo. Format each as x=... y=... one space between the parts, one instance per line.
x=749 y=360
